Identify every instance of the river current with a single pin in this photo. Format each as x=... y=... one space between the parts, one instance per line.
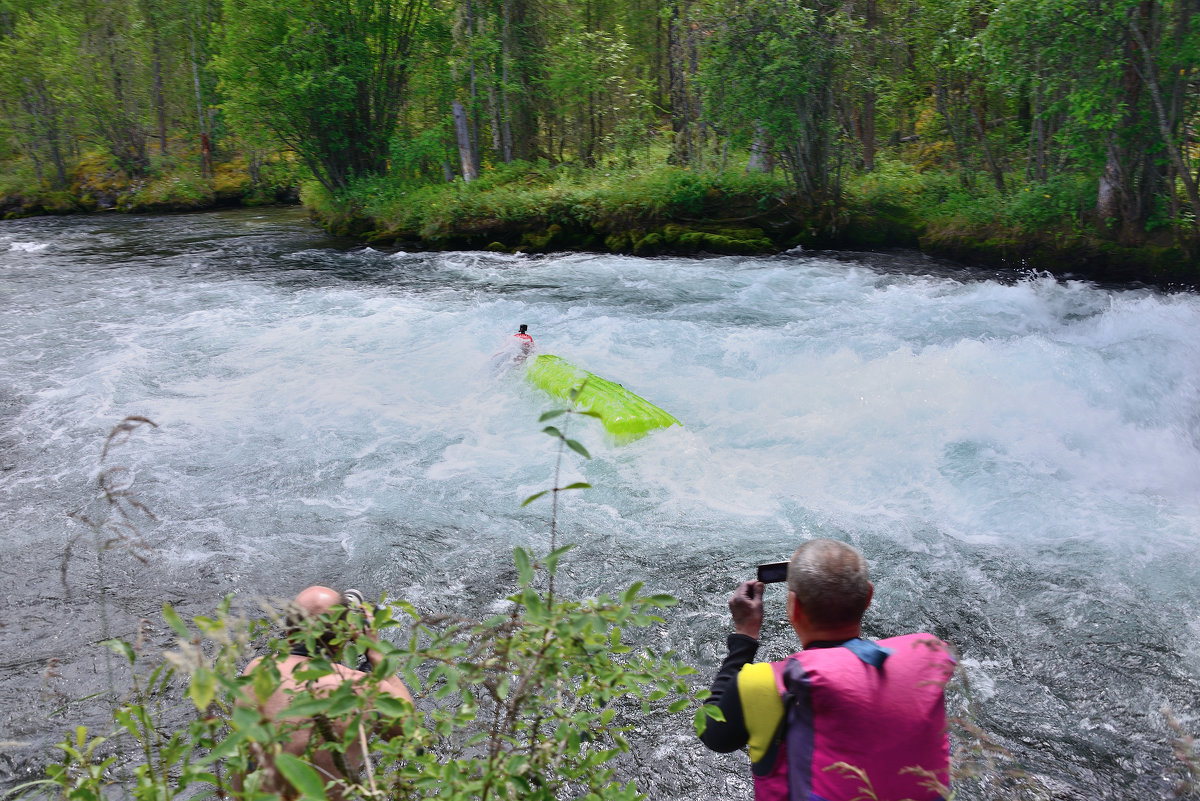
x=1018 y=457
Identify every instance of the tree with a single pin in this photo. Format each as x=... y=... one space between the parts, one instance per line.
x=31 y=100
x=587 y=87
x=769 y=70
x=946 y=36
x=683 y=90
x=110 y=84
x=1113 y=95
x=327 y=78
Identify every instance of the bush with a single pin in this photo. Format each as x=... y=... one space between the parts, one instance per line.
x=537 y=195
x=531 y=703
x=177 y=190
x=1065 y=200
x=527 y=704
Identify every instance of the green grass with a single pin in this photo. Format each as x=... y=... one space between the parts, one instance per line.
x=172 y=183
x=541 y=195
x=941 y=201
x=894 y=204
x=173 y=190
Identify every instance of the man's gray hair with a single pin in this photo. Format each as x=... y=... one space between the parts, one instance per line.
x=830 y=580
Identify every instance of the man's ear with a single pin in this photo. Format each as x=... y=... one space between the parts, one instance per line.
x=793 y=607
x=870 y=595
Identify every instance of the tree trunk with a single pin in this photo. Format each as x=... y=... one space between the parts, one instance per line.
x=523 y=116
x=761 y=159
x=867 y=133
x=682 y=117
x=474 y=90
x=206 y=168
x=466 y=153
x=506 y=115
x=159 y=101
x=1037 y=135
x=1108 y=201
x=494 y=118
x=994 y=165
x=942 y=101
x=1149 y=76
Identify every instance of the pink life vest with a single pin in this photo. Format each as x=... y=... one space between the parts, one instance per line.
x=851 y=725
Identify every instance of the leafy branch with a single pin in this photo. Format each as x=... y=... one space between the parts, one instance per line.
x=532 y=703
x=564 y=442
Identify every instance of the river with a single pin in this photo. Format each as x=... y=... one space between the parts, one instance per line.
x=1018 y=456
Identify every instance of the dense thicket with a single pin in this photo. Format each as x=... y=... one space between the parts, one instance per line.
x=1091 y=101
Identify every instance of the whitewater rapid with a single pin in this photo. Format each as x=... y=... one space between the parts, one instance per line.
x=1018 y=456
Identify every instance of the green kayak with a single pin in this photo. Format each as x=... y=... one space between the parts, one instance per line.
x=626 y=415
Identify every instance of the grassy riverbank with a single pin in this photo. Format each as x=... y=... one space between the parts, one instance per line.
x=650 y=209
x=660 y=210
x=173 y=183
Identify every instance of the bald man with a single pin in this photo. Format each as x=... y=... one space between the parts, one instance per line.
x=312 y=603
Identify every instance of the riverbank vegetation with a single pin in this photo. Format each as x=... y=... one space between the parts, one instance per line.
x=1049 y=133
x=548 y=695
x=534 y=701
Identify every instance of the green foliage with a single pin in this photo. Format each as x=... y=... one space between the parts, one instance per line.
x=586 y=82
x=541 y=196
x=172 y=191
x=1063 y=201
x=530 y=703
x=524 y=704
x=770 y=70
x=34 y=65
x=327 y=78
x=564 y=100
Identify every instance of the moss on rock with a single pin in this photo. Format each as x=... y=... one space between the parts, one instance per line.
x=617 y=242
x=650 y=244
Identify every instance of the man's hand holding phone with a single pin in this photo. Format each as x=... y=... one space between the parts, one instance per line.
x=746 y=606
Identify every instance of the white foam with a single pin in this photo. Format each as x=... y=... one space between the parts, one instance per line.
x=810 y=391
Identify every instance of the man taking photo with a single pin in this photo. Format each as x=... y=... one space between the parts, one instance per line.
x=320 y=612
x=844 y=718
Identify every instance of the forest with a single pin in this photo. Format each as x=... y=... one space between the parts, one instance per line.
x=985 y=126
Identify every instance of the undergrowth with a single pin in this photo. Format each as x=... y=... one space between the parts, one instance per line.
x=563 y=195
x=893 y=204
x=940 y=200
x=172 y=183
x=533 y=702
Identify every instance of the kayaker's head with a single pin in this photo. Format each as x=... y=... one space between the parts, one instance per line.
x=524 y=328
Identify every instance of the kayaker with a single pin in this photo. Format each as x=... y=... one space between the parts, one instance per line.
x=516 y=350
x=525 y=339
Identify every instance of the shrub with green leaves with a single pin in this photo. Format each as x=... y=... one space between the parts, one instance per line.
x=533 y=702
x=524 y=704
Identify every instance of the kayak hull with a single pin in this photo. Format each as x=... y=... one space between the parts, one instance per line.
x=624 y=414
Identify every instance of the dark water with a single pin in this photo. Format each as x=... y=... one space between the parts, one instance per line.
x=1016 y=456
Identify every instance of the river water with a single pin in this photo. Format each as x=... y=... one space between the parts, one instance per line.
x=1018 y=456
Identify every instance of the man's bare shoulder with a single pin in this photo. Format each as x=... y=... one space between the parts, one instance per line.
x=288 y=664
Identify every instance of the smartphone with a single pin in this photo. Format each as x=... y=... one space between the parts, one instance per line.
x=773 y=573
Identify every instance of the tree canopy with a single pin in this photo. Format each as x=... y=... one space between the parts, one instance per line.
x=1021 y=93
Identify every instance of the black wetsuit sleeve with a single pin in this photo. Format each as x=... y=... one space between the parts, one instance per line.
x=731 y=734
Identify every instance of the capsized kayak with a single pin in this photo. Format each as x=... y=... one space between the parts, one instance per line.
x=625 y=415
